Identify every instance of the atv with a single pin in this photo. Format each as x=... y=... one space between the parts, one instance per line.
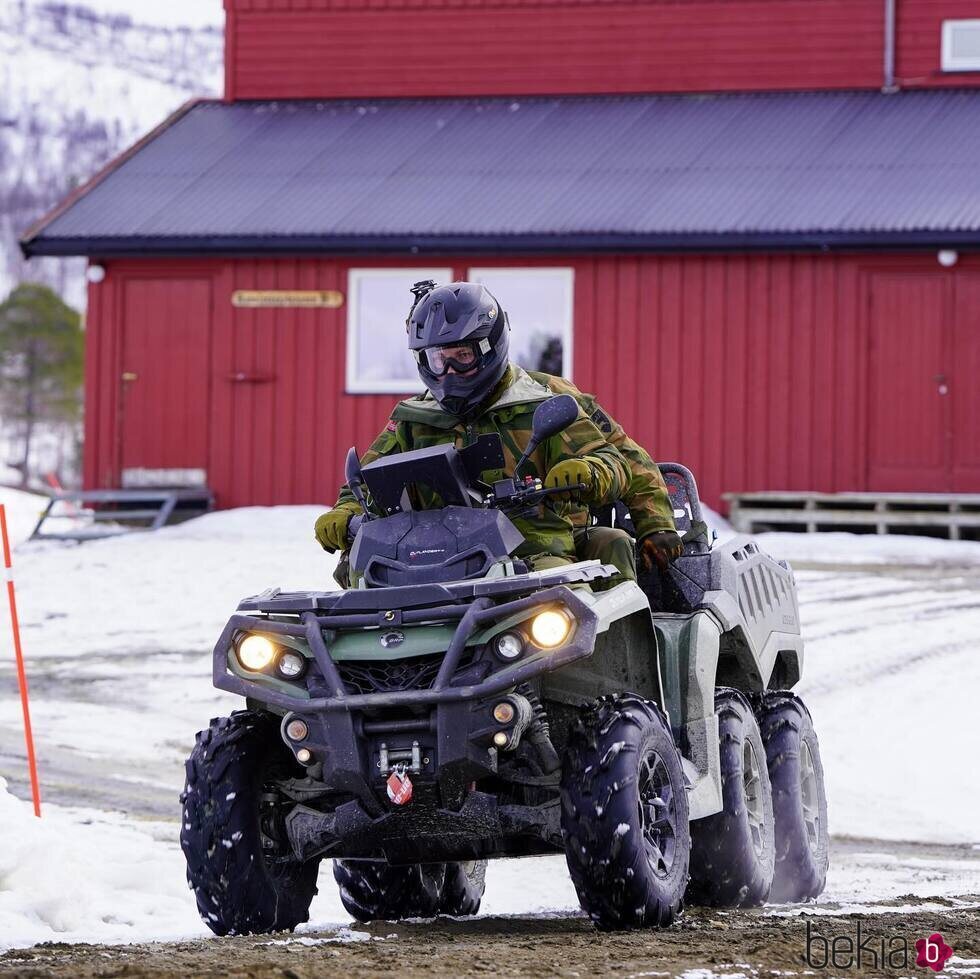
x=457 y=706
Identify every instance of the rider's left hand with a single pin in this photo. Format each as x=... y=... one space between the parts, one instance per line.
x=660 y=549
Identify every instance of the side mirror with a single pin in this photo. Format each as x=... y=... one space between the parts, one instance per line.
x=550 y=417
x=355 y=478
x=553 y=416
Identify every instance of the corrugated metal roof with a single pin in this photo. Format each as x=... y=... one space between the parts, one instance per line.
x=790 y=169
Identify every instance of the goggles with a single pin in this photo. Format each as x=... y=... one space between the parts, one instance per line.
x=461 y=357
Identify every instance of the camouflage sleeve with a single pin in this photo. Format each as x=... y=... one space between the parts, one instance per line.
x=582 y=440
x=646 y=495
x=396 y=437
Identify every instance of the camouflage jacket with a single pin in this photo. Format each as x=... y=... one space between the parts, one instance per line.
x=646 y=496
x=420 y=421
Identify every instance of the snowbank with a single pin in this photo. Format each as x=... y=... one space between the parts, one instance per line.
x=167 y=591
x=23 y=510
x=89 y=876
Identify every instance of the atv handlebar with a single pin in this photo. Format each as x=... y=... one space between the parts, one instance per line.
x=508 y=494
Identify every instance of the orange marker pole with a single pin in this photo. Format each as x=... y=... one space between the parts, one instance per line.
x=19 y=655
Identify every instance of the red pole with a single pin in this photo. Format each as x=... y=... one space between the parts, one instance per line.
x=21 y=672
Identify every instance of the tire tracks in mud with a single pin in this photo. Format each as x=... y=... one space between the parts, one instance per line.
x=703 y=943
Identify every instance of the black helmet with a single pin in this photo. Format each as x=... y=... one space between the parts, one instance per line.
x=459 y=326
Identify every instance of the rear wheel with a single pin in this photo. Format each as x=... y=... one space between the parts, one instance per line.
x=373 y=890
x=625 y=815
x=239 y=862
x=798 y=795
x=464 y=887
x=732 y=852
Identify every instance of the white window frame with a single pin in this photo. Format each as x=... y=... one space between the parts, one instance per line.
x=948 y=61
x=359 y=385
x=561 y=273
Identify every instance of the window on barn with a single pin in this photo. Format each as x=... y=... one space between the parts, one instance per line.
x=961 y=45
x=378 y=301
x=539 y=304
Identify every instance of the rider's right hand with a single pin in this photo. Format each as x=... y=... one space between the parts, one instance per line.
x=331 y=529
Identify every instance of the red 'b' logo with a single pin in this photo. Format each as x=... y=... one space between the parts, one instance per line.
x=933 y=952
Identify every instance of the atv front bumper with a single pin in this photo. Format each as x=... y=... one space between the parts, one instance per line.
x=441 y=736
x=319 y=630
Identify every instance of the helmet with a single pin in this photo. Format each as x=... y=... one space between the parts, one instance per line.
x=459 y=336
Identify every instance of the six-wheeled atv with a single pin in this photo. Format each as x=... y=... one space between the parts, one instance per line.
x=457 y=706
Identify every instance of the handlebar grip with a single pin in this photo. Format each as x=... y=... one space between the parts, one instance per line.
x=354 y=526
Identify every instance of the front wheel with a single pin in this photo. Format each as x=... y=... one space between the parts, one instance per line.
x=239 y=862
x=625 y=815
x=799 y=797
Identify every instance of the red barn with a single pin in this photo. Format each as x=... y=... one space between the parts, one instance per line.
x=749 y=225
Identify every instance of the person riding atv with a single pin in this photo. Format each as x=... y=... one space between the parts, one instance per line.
x=484 y=381
x=459 y=335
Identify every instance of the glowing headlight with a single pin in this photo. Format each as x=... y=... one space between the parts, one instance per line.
x=256 y=652
x=551 y=628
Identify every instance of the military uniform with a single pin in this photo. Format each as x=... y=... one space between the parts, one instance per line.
x=549 y=529
x=646 y=495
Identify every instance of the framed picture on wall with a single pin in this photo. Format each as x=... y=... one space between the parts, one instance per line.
x=378 y=301
x=539 y=303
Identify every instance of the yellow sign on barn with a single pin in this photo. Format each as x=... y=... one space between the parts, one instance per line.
x=285 y=298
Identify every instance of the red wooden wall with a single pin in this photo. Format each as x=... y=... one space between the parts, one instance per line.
x=362 y=48
x=758 y=371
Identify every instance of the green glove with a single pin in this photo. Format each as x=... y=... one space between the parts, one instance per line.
x=570 y=473
x=331 y=528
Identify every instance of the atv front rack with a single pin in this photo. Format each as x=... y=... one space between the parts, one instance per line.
x=415 y=596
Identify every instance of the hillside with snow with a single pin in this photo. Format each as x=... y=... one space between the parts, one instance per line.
x=79 y=82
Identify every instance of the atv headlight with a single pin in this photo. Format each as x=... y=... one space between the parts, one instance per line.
x=550 y=628
x=291 y=665
x=508 y=646
x=256 y=653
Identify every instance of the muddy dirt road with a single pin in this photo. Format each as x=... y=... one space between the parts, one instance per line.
x=703 y=944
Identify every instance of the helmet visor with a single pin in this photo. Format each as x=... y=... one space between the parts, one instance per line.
x=461 y=357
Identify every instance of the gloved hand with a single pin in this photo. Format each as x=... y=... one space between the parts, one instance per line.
x=331 y=528
x=660 y=549
x=570 y=473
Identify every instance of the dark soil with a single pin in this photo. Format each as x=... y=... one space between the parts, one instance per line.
x=737 y=943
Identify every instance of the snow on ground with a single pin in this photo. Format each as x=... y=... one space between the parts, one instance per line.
x=118 y=634
x=872 y=549
x=83 y=875
x=892 y=677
